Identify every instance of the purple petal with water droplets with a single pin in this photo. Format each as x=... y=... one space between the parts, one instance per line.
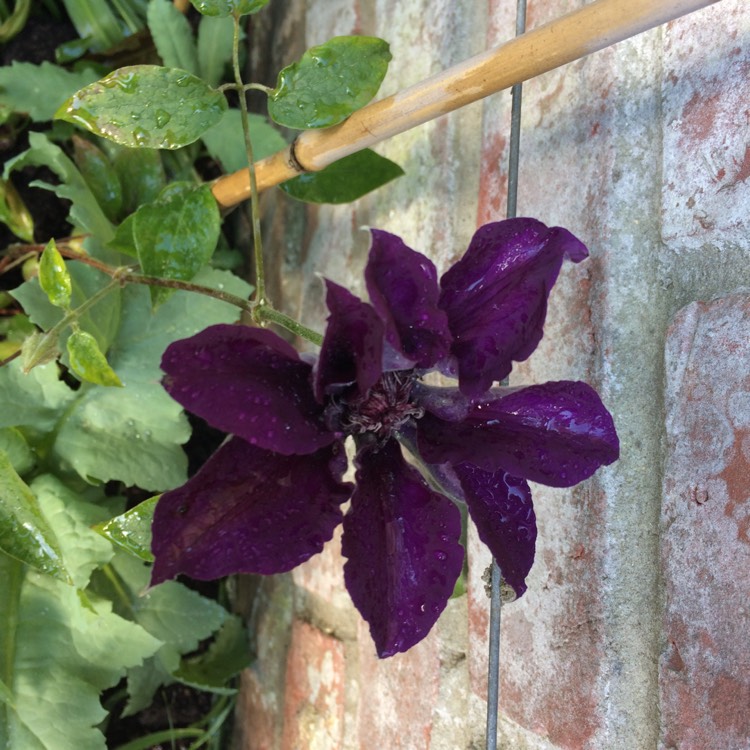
x=249 y=382
x=249 y=511
x=496 y=296
x=352 y=349
x=556 y=434
x=500 y=506
x=403 y=288
x=401 y=541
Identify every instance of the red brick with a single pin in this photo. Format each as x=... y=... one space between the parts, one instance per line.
x=705 y=667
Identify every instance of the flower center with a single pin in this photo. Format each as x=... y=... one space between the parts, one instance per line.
x=385 y=407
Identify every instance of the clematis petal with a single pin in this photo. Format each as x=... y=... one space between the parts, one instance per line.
x=249 y=511
x=500 y=506
x=403 y=288
x=401 y=541
x=250 y=382
x=556 y=434
x=496 y=296
x=352 y=349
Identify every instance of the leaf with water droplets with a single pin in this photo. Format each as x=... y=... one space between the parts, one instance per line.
x=228 y=7
x=54 y=277
x=24 y=532
x=344 y=180
x=132 y=530
x=329 y=82
x=88 y=362
x=176 y=235
x=146 y=106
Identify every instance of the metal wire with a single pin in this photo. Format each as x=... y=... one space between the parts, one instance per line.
x=493 y=669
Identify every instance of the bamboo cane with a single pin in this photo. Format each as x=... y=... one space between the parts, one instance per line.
x=575 y=35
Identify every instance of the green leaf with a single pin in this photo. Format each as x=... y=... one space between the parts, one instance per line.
x=38 y=349
x=345 y=180
x=176 y=235
x=123 y=241
x=100 y=176
x=141 y=174
x=14 y=23
x=38 y=90
x=54 y=277
x=228 y=7
x=134 y=434
x=146 y=106
x=132 y=530
x=215 y=37
x=172 y=36
x=85 y=211
x=13 y=212
x=225 y=657
x=95 y=19
x=329 y=82
x=88 y=362
x=59 y=653
x=17 y=450
x=24 y=532
x=226 y=143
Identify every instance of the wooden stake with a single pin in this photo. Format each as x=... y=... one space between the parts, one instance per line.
x=575 y=35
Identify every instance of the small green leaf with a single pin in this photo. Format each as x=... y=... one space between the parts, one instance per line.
x=17 y=449
x=54 y=277
x=146 y=106
x=13 y=212
x=226 y=143
x=14 y=23
x=228 y=7
x=214 y=47
x=95 y=19
x=172 y=36
x=88 y=362
x=345 y=180
x=123 y=241
x=132 y=530
x=141 y=173
x=329 y=82
x=24 y=532
x=176 y=234
x=38 y=349
x=100 y=176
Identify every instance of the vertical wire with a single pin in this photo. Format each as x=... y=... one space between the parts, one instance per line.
x=493 y=671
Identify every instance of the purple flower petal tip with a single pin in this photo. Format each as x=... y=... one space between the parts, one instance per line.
x=403 y=288
x=401 y=541
x=243 y=512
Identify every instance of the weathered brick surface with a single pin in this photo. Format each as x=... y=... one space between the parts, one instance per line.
x=628 y=639
x=705 y=666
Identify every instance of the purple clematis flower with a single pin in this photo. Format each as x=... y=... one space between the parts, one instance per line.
x=271 y=495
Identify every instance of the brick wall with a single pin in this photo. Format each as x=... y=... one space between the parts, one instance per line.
x=634 y=631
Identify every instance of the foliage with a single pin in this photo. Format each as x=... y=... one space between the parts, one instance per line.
x=86 y=428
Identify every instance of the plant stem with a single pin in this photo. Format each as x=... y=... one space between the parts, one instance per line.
x=260 y=281
x=267 y=313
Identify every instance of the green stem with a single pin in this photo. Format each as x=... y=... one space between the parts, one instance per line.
x=260 y=281
x=267 y=313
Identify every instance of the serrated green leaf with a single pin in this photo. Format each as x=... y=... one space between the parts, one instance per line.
x=131 y=530
x=60 y=653
x=85 y=211
x=214 y=47
x=146 y=106
x=176 y=235
x=38 y=90
x=172 y=36
x=329 y=82
x=141 y=174
x=345 y=180
x=25 y=534
x=134 y=434
x=228 y=7
x=13 y=212
x=100 y=176
x=228 y=655
x=226 y=143
x=88 y=362
x=54 y=277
